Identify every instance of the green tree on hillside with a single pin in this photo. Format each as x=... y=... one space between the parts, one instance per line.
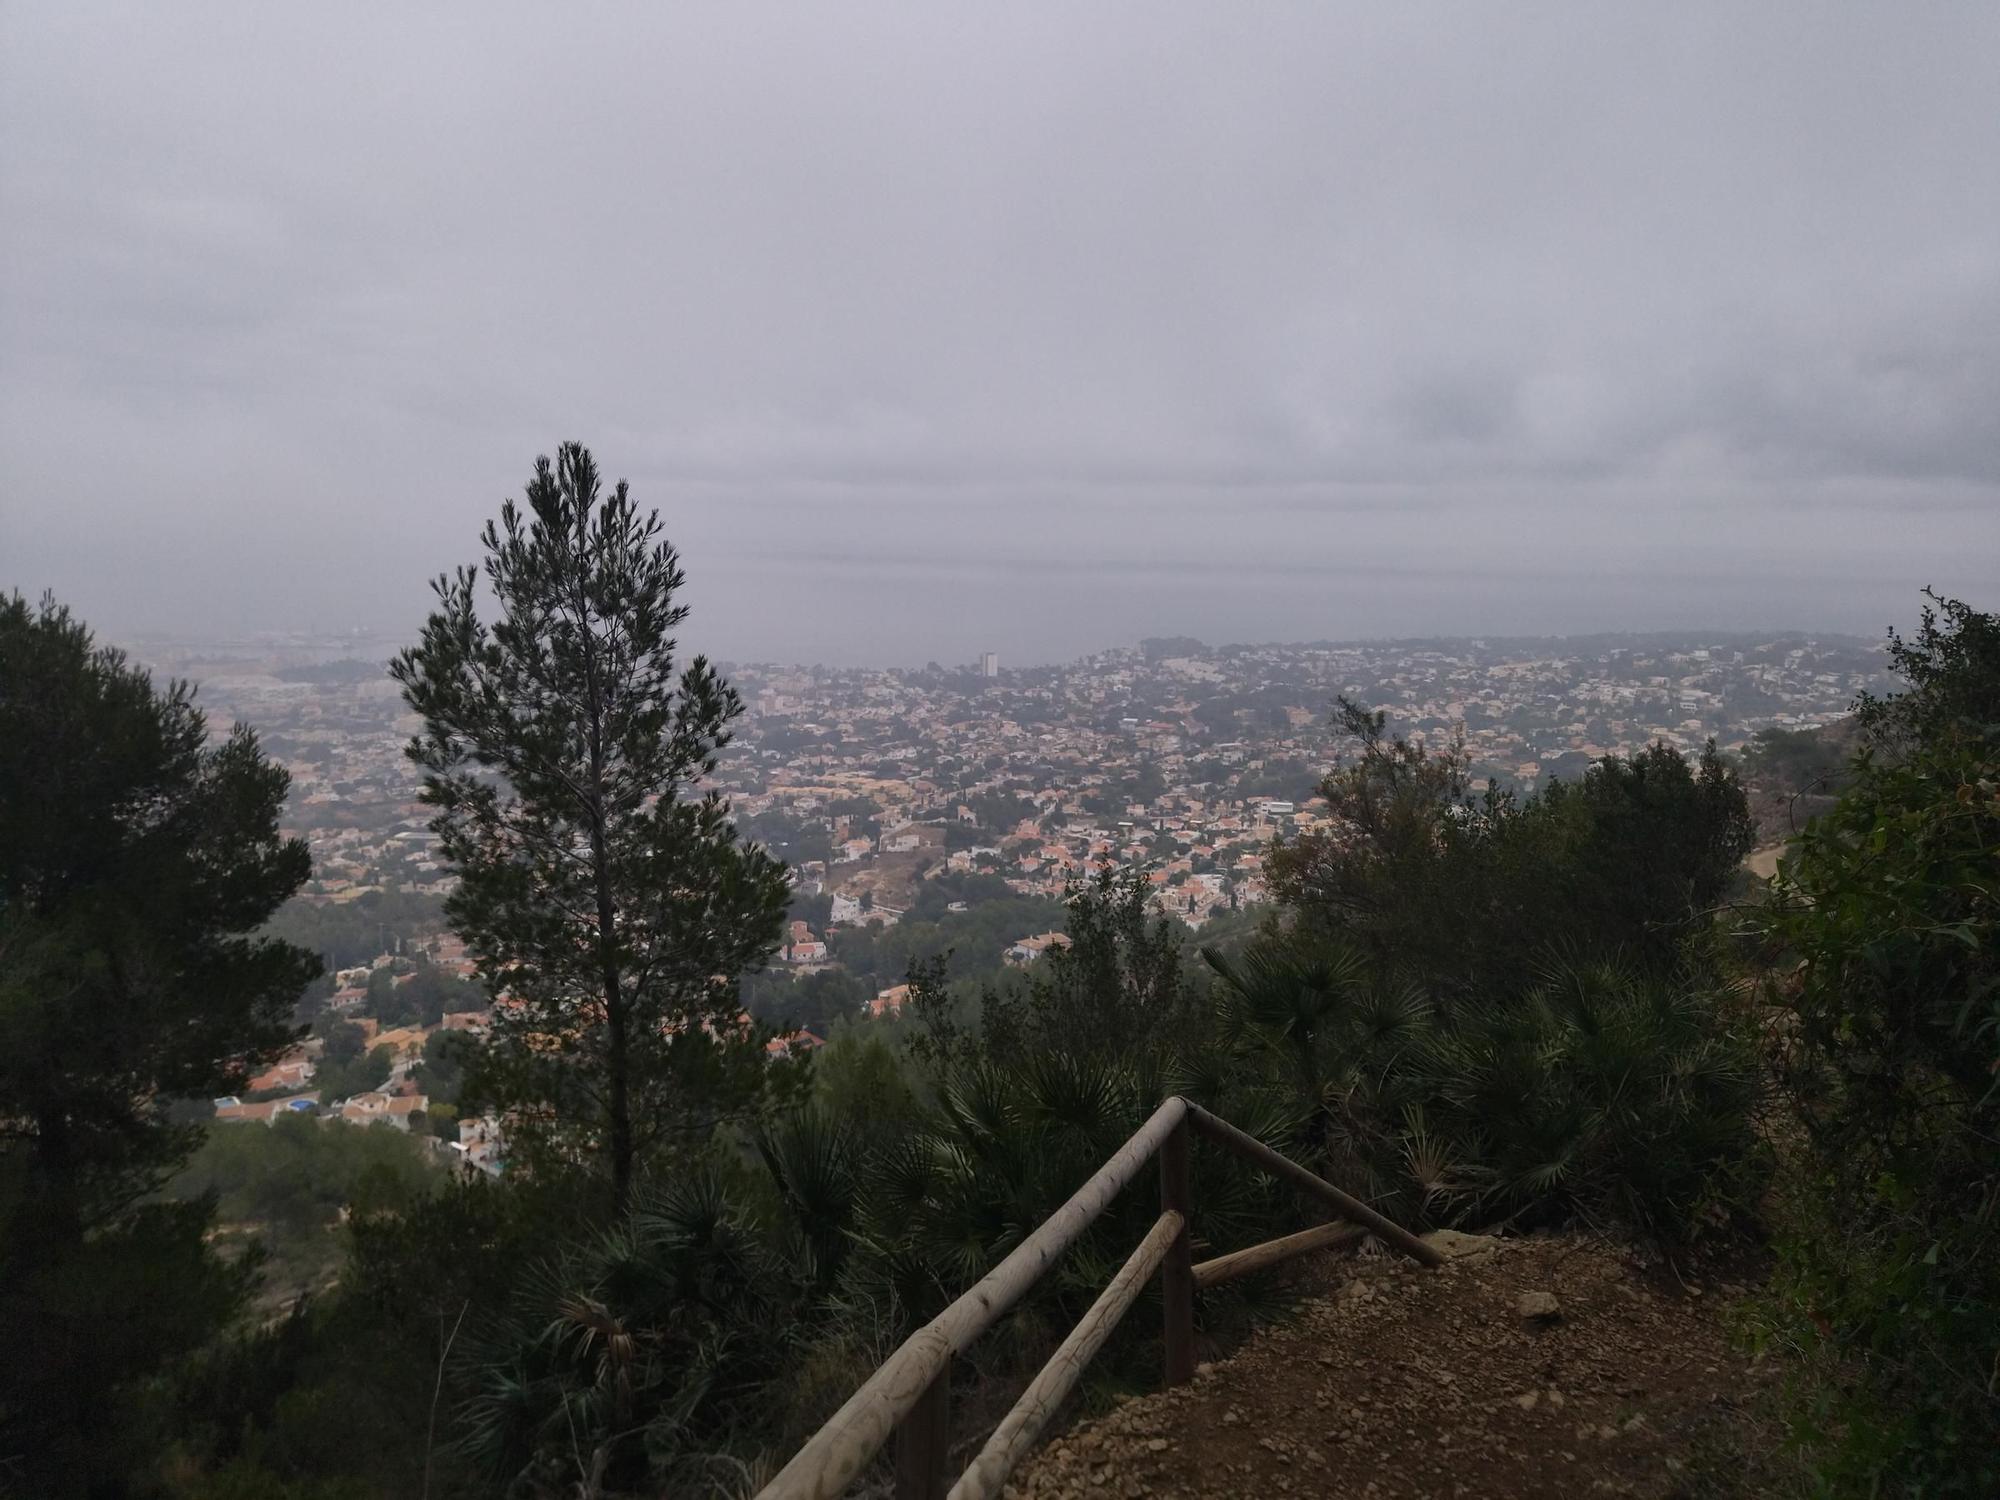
x=1474 y=893
x=1116 y=991
x=1953 y=672
x=1492 y=1005
x=1796 y=760
x=137 y=861
x=343 y=1078
x=448 y=1057
x=1651 y=842
x=812 y=1003
x=560 y=747
x=1886 y=923
x=294 y=1176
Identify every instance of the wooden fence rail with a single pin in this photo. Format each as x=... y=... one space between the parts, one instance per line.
x=909 y=1396
x=1018 y=1430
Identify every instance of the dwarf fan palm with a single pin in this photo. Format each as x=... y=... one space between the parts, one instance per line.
x=1598 y=1088
x=628 y=1351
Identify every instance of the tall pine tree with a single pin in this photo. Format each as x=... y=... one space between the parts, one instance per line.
x=137 y=863
x=613 y=906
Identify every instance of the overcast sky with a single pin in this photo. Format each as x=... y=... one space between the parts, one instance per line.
x=932 y=328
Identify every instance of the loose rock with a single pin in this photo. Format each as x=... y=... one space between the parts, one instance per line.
x=1538 y=1307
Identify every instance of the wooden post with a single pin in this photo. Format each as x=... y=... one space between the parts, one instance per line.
x=923 y=1443
x=985 y=1478
x=1276 y=1252
x=1258 y=1154
x=852 y=1436
x=1177 y=1270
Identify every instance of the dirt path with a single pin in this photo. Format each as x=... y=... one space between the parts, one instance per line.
x=1523 y=1367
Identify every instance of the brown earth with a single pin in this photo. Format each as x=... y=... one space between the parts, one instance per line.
x=891 y=878
x=1541 y=1366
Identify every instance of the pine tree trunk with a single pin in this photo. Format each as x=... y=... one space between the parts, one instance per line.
x=617 y=1060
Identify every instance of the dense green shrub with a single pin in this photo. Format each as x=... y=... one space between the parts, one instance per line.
x=275 y=1410
x=1499 y=1008
x=1888 y=920
x=294 y=1176
x=634 y=1356
x=1471 y=894
x=1601 y=1089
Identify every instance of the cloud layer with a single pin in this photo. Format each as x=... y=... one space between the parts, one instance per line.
x=933 y=327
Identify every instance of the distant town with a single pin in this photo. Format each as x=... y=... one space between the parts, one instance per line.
x=1178 y=757
x=929 y=793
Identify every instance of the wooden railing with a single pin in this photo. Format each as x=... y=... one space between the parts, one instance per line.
x=910 y=1395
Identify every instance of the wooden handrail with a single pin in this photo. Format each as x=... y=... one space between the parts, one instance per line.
x=1018 y=1430
x=1177 y=1270
x=1257 y=1153
x=910 y=1393
x=1276 y=1252
x=854 y=1434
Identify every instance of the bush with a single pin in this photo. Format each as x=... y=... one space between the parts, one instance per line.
x=344 y=1078
x=1510 y=1009
x=275 y=1410
x=1888 y=923
x=1601 y=1090
x=1472 y=894
x=633 y=1356
x=294 y=1176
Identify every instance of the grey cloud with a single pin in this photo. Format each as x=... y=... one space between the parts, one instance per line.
x=1143 y=290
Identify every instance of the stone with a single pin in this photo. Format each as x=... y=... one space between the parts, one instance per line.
x=1538 y=1307
x=1452 y=1244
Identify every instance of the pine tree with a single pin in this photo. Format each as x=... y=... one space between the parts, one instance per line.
x=137 y=864
x=612 y=905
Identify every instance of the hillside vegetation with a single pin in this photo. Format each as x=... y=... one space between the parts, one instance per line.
x=1481 y=1012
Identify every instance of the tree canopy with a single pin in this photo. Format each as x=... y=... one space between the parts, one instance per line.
x=611 y=901
x=1883 y=930
x=1472 y=892
x=138 y=862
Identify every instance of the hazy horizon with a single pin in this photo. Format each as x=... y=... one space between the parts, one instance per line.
x=1036 y=332
x=301 y=645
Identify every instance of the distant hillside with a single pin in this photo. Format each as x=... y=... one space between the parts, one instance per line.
x=1793 y=775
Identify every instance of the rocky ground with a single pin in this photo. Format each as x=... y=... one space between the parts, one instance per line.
x=1540 y=1366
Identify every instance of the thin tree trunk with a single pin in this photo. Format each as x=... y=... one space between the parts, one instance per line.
x=617 y=1061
